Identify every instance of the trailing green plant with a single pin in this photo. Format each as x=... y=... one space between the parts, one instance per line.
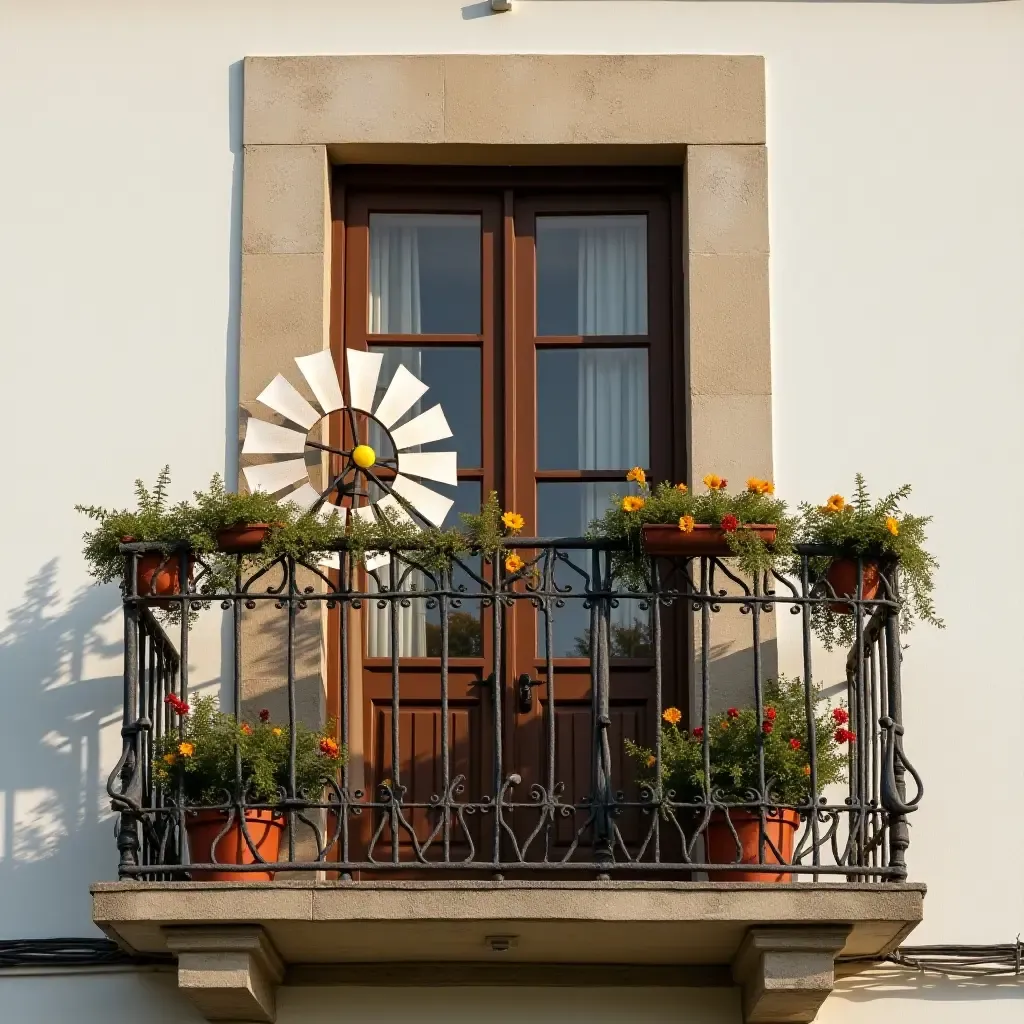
x=734 y=739
x=154 y=520
x=872 y=529
x=217 y=508
x=677 y=505
x=202 y=756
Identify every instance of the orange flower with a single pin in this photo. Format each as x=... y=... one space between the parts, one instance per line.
x=686 y=524
x=651 y=761
x=513 y=563
x=632 y=503
x=276 y=731
x=637 y=476
x=672 y=715
x=682 y=488
x=836 y=503
x=328 y=747
x=247 y=728
x=724 y=724
x=170 y=758
x=713 y=482
x=186 y=749
x=892 y=526
x=807 y=769
x=757 y=486
x=513 y=521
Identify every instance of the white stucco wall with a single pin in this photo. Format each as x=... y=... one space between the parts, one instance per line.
x=897 y=226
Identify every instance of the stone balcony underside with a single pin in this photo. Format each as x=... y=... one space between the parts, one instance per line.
x=236 y=942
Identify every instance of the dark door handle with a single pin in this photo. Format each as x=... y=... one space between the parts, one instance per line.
x=524 y=690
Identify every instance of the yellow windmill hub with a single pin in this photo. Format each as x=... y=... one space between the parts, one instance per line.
x=363 y=456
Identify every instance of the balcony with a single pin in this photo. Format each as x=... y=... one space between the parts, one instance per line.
x=490 y=811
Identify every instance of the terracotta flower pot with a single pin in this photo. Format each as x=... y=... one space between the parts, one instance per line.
x=720 y=844
x=242 y=538
x=668 y=539
x=842 y=576
x=160 y=576
x=264 y=828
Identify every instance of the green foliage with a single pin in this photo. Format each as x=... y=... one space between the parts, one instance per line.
x=154 y=520
x=217 y=508
x=484 y=531
x=863 y=527
x=202 y=759
x=733 y=742
x=668 y=503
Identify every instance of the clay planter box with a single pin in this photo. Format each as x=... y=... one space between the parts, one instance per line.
x=720 y=843
x=264 y=827
x=668 y=539
x=157 y=576
x=242 y=538
x=842 y=576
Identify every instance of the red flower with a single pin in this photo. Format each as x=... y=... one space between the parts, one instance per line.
x=176 y=703
x=247 y=728
x=844 y=736
x=794 y=744
x=265 y=715
x=769 y=713
x=840 y=715
x=766 y=728
x=698 y=731
x=328 y=747
x=733 y=712
x=729 y=523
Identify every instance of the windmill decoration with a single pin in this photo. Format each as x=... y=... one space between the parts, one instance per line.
x=402 y=496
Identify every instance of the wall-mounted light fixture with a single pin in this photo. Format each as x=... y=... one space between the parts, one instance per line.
x=501 y=5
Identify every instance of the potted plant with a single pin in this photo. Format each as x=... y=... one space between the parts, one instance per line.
x=734 y=737
x=153 y=521
x=751 y=526
x=237 y=523
x=197 y=763
x=871 y=534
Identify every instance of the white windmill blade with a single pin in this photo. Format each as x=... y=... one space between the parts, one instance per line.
x=393 y=509
x=372 y=559
x=439 y=466
x=322 y=378
x=375 y=559
x=404 y=391
x=364 y=513
x=428 y=426
x=280 y=396
x=429 y=504
x=262 y=438
x=331 y=561
x=307 y=496
x=275 y=476
x=363 y=371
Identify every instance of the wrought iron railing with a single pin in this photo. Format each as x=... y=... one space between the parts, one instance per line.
x=530 y=774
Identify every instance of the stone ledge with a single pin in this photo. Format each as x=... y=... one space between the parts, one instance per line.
x=551 y=922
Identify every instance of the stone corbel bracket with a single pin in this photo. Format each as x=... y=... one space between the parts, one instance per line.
x=787 y=973
x=228 y=973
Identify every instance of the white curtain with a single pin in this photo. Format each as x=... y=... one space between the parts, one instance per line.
x=612 y=387
x=395 y=309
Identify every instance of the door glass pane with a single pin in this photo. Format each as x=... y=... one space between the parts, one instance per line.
x=424 y=273
x=419 y=627
x=566 y=510
x=452 y=376
x=592 y=408
x=592 y=275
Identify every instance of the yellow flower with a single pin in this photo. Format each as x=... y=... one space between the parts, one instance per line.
x=651 y=761
x=686 y=524
x=170 y=758
x=724 y=724
x=836 y=503
x=892 y=526
x=713 y=482
x=632 y=503
x=513 y=563
x=513 y=521
x=682 y=488
x=757 y=486
x=637 y=475
x=186 y=749
x=672 y=715
x=276 y=731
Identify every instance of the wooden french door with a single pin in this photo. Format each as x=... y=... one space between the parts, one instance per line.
x=542 y=321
